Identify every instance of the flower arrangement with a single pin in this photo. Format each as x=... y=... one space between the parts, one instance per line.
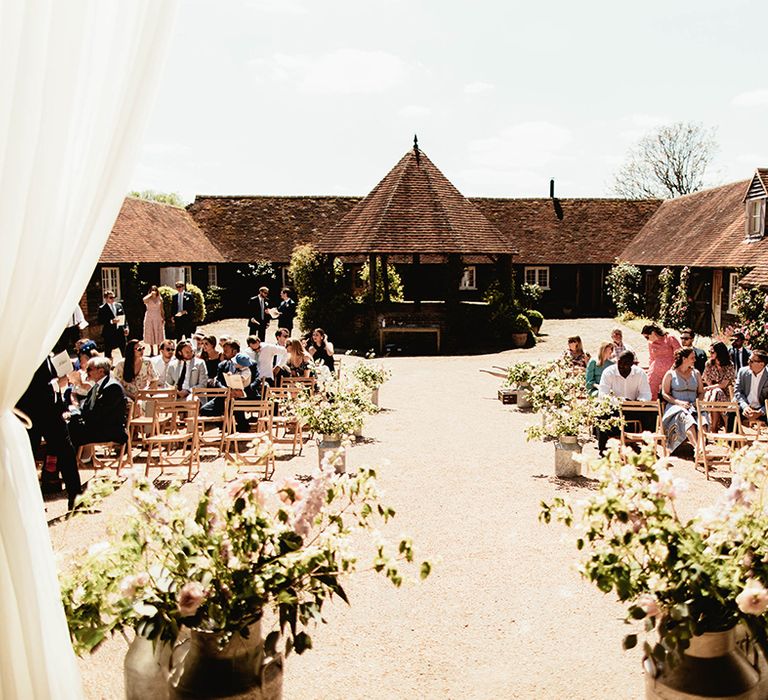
x=337 y=408
x=576 y=419
x=371 y=375
x=555 y=384
x=519 y=374
x=219 y=561
x=679 y=576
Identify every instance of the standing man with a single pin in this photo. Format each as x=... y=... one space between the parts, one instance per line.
x=112 y=320
x=752 y=387
x=287 y=309
x=686 y=340
x=182 y=309
x=257 y=325
x=739 y=354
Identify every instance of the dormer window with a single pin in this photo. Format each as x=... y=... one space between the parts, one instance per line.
x=755 y=218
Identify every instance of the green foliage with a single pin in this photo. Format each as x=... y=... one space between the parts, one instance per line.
x=167 y=294
x=171 y=198
x=623 y=285
x=324 y=299
x=520 y=324
x=750 y=303
x=502 y=310
x=216 y=561
x=536 y=318
x=214 y=303
x=519 y=375
x=678 y=576
x=370 y=374
x=395 y=282
x=666 y=291
x=530 y=295
x=679 y=310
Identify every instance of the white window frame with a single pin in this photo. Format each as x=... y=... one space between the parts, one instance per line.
x=733 y=285
x=213 y=276
x=469 y=278
x=285 y=278
x=110 y=279
x=538 y=275
x=187 y=274
x=755 y=218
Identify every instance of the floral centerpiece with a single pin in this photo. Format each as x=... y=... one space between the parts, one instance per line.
x=555 y=384
x=338 y=407
x=218 y=562
x=519 y=375
x=575 y=419
x=371 y=375
x=680 y=577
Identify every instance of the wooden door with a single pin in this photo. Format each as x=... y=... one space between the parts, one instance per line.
x=717 y=299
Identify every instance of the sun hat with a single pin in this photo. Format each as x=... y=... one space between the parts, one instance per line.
x=242 y=360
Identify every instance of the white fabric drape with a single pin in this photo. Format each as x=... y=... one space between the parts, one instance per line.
x=77 y=79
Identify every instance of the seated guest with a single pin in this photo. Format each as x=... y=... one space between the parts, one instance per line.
x=297 y=363
x=197 y=342
x=102 y=415
x=229 y=350
x=625 y=380
x=242 y=368
x=84 y=345
x=575 y=353
x=619 y=346
x=267 y=356
x=718 y=377
x=320 y=348
x=686 y=340
x=739 y=354
x=680 y=388
x=187 y=372
x=163 y=361
x=135 y=372
x=80 y=385
x=211 y=356
x=596 y=367
x=752 y=387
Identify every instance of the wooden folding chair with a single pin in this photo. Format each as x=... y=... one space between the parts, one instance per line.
x=140 y=418
x=716 y=448
x=107 y=454
x=632 y=431
x=308 y=382
x=287 y=429
x=207 y=423
x=174 y=435
x=258 y=414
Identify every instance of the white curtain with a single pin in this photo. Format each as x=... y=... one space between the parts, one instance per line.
x=77 y=79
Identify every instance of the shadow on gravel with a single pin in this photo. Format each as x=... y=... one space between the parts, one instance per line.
x=579 y=482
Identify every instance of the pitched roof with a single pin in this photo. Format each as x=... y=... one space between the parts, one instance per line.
x=152 y=232
x=247 y=229
x=567 y=231
x=414 y=209
x=704 y=229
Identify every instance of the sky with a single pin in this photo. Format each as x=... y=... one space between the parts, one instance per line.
x=323 y=97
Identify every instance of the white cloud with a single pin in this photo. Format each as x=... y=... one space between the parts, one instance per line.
x=478 y=88
x=753 y=98
x=343 y=71
x=414 y=112
x=520 y=146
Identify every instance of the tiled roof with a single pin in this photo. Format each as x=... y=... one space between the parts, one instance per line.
x=247 y=229
x=762 y=173
x=567 y=231
x=757 y=277
x=414 y=209
x=705 y=229
x=156 y=233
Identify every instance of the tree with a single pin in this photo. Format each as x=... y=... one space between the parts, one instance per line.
x=667 y=162
x=172 y=198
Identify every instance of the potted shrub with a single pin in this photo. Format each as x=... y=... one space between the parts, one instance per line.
x=519 y=378
x=536 y=319
x=520 y=327
x=688 y=581
x=196 y=577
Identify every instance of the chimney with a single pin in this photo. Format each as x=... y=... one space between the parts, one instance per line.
x=552 y=188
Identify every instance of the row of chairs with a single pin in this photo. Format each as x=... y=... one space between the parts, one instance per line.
x=171 y=431
x=715 y=446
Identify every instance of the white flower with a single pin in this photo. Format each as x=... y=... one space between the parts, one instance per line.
x=648 y=604
x=95 y=549
x=753 y=600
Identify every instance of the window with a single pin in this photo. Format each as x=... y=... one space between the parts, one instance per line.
x=285 y=278
x=733 y=286
x=755 y=218
x=213 y=276
x=188 y=274
x=110 y=279
x=537 y=275
x=468 y=280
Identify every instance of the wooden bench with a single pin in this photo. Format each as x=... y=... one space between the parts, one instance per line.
x=383 y=332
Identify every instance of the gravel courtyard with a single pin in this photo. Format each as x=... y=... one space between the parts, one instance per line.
x=504 y=613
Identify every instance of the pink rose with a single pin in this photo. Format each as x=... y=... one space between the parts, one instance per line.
x=191 y=597
x=295 y=486
x=648 y=604
x=753 y=600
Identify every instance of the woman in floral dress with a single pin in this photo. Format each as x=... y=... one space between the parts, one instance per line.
x=661 y=348
x=154 y=320
x=135 y=372
x=719 y=377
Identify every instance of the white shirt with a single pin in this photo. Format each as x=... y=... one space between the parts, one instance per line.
x=265 y=356
x=634 y=387
x=161 y=367
x=753 y=398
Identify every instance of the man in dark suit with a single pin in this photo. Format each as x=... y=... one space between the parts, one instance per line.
x=752 y=387
x=183 y=310
x=259 y=320
x=287 y=308
x=739 y=354
x=686 y=340
x=44 y=406
x=103 y=413
x=112 y=320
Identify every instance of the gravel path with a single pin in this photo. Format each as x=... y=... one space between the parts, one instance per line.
x=504 y=614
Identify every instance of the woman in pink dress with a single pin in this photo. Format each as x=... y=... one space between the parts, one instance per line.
x=154 y=320
x=661 y=349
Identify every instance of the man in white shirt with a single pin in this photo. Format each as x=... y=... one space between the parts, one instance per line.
x=624 y=380
x=264 y=354
x=186 y=371
x=752 y=387
x=162 y=361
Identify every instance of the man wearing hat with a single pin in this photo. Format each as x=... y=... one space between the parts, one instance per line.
x=738 y=353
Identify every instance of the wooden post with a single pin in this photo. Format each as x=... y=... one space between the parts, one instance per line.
x=385 y=277
x=372 y=276
x=416 y=278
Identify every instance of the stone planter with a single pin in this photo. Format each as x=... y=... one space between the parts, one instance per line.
x=519 y=340
x=332 y=444
x=198 y=667
x=711 y=667
x=375 y=397
x=566 y=467
x=522 y=396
